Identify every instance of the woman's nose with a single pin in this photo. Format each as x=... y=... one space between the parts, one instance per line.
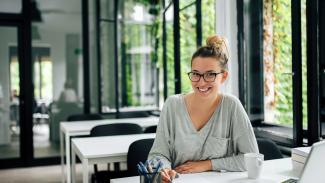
x=201 y=81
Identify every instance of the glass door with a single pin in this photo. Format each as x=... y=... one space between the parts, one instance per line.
x=9 y=94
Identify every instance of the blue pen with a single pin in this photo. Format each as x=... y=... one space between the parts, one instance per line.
x=139 y=169
x=144 y=170
x=158 y=167
x=143 y=167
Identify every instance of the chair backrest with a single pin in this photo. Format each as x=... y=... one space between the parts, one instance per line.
x=138 y=151
x=138 y=114
x=150 y=129
x=269 y=149
x=115 y=129
x=84 y=117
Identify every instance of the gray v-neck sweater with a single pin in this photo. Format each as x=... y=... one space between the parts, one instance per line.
x=223 y=139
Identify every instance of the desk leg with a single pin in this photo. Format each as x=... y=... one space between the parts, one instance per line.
x=62 y=156
x=68 y=155
x=85 y=171
x=73 y=165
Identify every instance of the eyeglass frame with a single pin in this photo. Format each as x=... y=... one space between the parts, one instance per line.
x=203 y=75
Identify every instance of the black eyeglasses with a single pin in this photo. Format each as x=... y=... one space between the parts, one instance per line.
x=208 y=76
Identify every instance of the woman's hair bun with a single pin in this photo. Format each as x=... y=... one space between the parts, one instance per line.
x=216 y=47
x=218 y=43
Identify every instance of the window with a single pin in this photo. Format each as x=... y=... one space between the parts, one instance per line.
x=169 y=49
x=137 y=64
x=43 y=89
x=208 y=19
x=274 y=69
x=188 y=36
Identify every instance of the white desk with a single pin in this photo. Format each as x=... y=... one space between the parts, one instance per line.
x=274 y=171
x=82 y=128
x=100 y=150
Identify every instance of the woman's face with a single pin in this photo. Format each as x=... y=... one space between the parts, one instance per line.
x=209 y=67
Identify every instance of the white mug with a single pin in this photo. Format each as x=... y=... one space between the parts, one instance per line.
x=254 y=163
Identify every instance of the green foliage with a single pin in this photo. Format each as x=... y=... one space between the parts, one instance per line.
x=188 y=36
x=208 y=19
x=135 y=36
x=283 y=62
x=304 y=61
x=170 y=58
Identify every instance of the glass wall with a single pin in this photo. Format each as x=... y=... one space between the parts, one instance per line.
x=9 y=94
x=107 y=56
x=11 y=6
x=169 y=17
x=137 y=63
x=188 y=34
x=57 y=72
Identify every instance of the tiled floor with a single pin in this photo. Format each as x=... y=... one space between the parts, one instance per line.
x=44 y=174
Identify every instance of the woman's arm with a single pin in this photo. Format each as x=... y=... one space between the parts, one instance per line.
x=161 y=148
x=243 y=141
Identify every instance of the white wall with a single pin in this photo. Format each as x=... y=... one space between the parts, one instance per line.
x=226 y=23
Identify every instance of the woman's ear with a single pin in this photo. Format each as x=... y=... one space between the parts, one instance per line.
x=224 y=76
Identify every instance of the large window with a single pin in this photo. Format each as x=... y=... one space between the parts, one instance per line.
x=188 y=36
x=169 y=49
x=137 y=62
x=278 y=85
x=208 y=19
x=275 y=66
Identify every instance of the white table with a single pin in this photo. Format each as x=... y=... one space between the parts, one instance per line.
x=82 y=128
x=274 y=171
x=101 y=150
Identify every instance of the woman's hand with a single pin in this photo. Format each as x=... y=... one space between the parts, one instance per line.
x=167 y=175
x=194 y=167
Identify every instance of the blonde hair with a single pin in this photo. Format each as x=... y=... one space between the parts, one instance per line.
x=216 y=47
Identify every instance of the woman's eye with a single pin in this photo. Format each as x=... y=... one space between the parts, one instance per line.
x=210 y=74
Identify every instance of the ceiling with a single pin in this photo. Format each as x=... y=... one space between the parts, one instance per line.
x=57 y=15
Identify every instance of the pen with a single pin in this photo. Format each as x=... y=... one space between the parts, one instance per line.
x=149 y=168
x=158 y=167
x=143 y=167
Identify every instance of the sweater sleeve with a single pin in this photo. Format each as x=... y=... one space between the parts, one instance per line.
x=243 y=141
x=161 y=148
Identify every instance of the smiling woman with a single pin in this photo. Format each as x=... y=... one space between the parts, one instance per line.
x=205 y=129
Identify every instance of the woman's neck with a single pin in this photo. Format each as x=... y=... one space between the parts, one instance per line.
x=203 y=103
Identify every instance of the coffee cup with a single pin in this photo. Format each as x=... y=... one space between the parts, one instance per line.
x=254 y=164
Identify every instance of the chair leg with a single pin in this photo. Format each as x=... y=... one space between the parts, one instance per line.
x=93 y=178
x=116 y=167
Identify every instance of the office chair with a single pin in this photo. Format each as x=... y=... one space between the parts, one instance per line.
x=84 y=117
x=138 y=151
x=150 y=129
x=269 y=149
x=139 y=114
x=109 y=130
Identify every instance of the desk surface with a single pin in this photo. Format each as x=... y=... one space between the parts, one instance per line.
x=95 y=147
x=86 y=126
x=274 y=171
